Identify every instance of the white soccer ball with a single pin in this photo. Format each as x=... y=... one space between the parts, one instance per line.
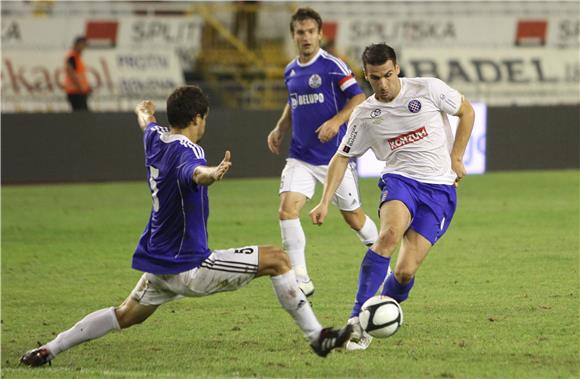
x=381 y=316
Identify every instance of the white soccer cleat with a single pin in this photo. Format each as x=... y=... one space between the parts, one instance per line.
x=359 y=339
x=307 y=287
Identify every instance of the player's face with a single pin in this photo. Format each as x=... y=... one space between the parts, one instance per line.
x=307 y=37
x=384 y=79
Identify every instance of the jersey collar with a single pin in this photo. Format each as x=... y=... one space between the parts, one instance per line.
x=311 y=61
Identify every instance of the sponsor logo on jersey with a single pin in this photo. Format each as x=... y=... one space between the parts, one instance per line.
x=375 y=113
x=315 y=81
x=311 y=98
x=352 y=135
x=414 y=106
x=346 y=149
x=407 y=138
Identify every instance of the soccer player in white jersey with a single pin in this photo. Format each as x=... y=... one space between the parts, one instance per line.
x=322 y=92
x=405 y=124
x=173 y=251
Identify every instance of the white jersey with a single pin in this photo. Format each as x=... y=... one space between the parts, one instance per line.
x=411 y=133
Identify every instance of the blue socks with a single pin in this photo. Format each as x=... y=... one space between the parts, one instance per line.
x=373 y=270
x=396 y=290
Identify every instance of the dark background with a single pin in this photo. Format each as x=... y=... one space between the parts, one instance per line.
x=88 y=147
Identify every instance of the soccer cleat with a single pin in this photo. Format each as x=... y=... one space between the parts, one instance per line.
x=36 y=357
x=331 y=339
x=307 y=287
x=359 y=339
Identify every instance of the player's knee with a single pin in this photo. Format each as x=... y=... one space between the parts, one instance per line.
x=279 y=262
x=126 y=318
x=288 y=214
x=388 y=239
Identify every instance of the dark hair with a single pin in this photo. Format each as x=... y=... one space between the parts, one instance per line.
x=378 y=54
x=184 y=104
x=79 y=39
x=302 y=14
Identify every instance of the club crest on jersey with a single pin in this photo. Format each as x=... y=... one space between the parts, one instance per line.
x=315 y=81
x=414 y=106
x=375 y=113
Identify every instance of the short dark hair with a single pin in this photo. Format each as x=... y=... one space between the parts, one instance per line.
x=184 y=104
x=378 y=54
x=79 y=39
x=306 y=13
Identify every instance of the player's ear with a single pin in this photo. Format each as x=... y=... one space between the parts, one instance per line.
x=397 y=69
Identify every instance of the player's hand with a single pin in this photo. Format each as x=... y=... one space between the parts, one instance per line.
x=318 y=214
x=327 y=130
x=224 y=166
x=459 y=168
x=144 y=111
x=275 y=140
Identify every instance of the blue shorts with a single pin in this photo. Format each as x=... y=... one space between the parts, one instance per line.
x=431 y=205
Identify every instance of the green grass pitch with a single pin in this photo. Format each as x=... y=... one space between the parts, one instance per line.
x=496 y=298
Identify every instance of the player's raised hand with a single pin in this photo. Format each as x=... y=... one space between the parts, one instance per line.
x=318 y=214
x=223 y=167
x=459 y=168
x=144 y=111
x=275 y=140
x=327 y=130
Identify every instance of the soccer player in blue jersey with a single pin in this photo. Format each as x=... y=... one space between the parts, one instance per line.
x=173 y=251
x=322 y=92
x=405 y=124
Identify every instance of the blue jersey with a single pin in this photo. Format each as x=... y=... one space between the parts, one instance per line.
x=317 y=91
x=175 y=238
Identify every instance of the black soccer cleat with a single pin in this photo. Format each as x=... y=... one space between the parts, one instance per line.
x=36 y=357
x=331 y=339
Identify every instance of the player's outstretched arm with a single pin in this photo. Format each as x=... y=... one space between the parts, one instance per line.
x=330 y=128
x=206 y=175
x=466 y=116
x=144 y=111
x=336 y=170
x=277 y=134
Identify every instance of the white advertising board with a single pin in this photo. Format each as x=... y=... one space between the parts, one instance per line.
x=32 y=80
x=505 y=77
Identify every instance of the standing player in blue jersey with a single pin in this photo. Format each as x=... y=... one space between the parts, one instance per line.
x=173 y=252
x=322 y=92
x=405 y=124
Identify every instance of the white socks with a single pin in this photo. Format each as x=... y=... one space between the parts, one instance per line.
x=295 y=303
x=368 y=234
x=94 y=325
x=294 y=242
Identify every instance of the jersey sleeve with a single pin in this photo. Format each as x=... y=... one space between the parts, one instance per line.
x=355 y=142
x=444 y=97
x=344 y=79
x=190 y=160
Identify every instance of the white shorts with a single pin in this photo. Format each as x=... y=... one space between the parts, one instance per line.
x=223 y=270
x=299 y=176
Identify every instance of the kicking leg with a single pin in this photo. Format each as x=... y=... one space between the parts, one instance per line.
x=414 y=250
x=92 y=326
x=274 y=262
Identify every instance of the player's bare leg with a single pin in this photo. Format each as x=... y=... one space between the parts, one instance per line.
x=395 y=219
x=362 y=224
x=92 y=326
x=274 y=262
x=413 y=251
x=293 y=238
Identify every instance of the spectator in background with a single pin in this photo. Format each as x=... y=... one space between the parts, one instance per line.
x=76 y=84
x=246 y=17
